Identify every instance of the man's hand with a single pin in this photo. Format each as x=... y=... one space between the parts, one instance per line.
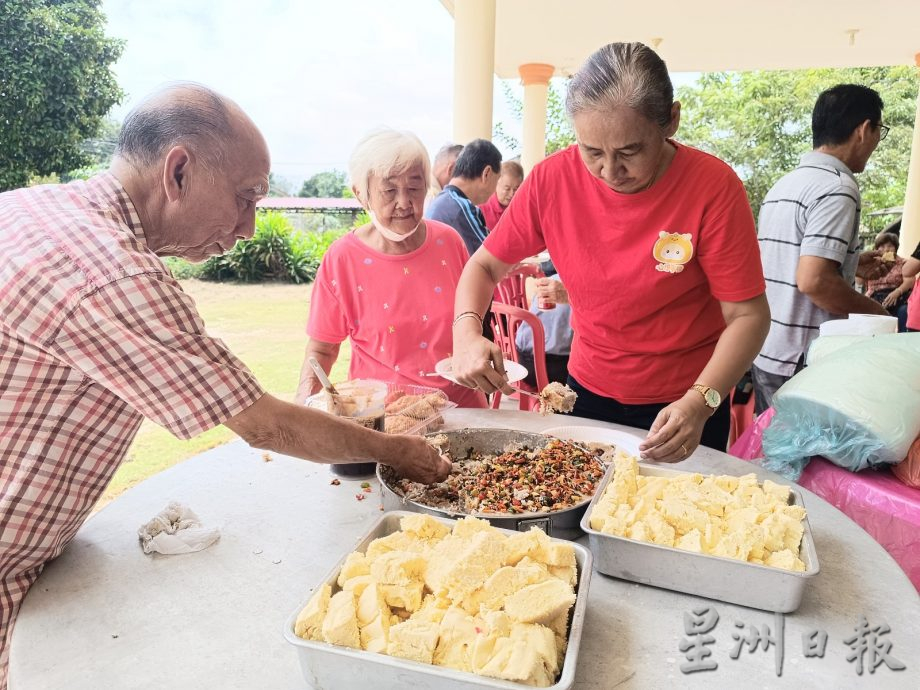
x=414 y=458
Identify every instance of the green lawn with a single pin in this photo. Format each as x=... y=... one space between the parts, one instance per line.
x=264 y=326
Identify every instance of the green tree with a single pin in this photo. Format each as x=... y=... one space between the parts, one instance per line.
x=56 y=85
x=329 y=184
x=760 y=123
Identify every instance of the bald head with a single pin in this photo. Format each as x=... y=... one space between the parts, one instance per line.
x=185 y=114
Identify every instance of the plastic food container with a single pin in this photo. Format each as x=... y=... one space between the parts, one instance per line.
x=419 y=417
x=329 y=667
x=714 y=577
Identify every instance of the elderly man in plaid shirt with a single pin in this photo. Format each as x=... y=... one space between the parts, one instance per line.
x=95 y=334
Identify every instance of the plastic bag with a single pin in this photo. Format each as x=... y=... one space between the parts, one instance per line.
x=858 y=406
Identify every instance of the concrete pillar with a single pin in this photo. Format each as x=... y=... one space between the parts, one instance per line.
x=910 y=222
x=474 y=67
x=535 y=77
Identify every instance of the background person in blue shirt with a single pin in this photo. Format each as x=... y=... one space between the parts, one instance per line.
x=475 y=178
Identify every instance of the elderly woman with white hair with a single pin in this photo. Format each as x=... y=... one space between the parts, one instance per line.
x=656 y=245
x=389 y=285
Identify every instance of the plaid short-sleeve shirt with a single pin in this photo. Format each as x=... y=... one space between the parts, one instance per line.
x=95 y=334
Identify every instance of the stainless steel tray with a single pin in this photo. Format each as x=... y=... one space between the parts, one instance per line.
x=714 y=577
x=562 y=524
x=328 y=667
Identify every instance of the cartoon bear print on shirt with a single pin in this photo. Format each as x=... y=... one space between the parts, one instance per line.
x=673 y=250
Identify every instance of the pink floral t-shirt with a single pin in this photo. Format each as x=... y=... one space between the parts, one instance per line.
x=396 y=308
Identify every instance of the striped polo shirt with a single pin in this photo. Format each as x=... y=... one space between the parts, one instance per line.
x=811 y=211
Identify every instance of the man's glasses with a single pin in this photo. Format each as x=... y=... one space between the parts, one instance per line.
x=883 y=131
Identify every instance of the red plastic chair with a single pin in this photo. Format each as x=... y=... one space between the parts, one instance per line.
x=506 y=319
x=510 y=289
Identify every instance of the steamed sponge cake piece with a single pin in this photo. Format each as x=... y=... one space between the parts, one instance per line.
x=460 y=566
x=624 y=485
x=786 y=559
x=540 y=603
x=424 y=526
x=523 y=544
x=310 y=620
x=375 y=635
x=398 y=568
x=414 y=640
x=371 y=604
x=458 y=633
x=340 y=626
x=778 y=492
x=507 y=580
x=355 y=564
x=470 y=525
x=397 y=541
x=512 y=659
x=540 y=639
x=407 y=596
x=357 y=584
x=555 y=553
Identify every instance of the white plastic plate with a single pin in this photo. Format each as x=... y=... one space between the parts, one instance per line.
x=597 y=434
x=515 y=371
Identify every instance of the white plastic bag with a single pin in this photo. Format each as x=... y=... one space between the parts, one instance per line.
x=858 y=406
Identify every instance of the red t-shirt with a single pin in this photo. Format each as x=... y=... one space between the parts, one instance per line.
x=492 y=211
x=645 y=272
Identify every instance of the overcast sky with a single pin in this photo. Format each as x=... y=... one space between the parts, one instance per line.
x=315 y=75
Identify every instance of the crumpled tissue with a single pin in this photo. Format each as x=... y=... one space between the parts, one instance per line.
x=176 y=529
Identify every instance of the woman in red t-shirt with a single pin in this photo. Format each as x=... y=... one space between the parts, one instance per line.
x=656 y=245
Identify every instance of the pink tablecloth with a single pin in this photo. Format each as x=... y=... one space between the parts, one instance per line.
x=874 y=499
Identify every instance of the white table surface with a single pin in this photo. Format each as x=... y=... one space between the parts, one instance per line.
x=104 y=615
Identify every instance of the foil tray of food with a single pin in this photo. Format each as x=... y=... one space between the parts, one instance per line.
x=717 y=536
x=514 y=479
x=435 y=604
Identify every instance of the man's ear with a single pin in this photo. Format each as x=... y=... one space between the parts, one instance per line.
x=864 y=130
x=175 y=172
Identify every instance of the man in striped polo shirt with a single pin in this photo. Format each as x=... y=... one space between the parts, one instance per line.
x=809 y=235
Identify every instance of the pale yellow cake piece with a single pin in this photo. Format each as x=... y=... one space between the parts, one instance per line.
x=414 y=640
x=424 y=526
x=340 y=626
x=355 y=565
x=458 y=633
x=786 y=559
x=541 y=602
x=310 y=620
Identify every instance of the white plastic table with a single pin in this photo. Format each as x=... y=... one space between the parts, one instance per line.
x=104 y=615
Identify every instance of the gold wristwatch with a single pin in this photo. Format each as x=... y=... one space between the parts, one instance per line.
x=711 y=396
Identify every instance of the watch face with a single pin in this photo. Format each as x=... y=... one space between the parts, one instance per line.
x=713 y=399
